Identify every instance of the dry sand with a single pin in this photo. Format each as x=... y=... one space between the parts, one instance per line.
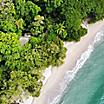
x=52 y=87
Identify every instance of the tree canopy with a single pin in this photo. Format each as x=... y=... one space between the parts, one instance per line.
x=48 y=23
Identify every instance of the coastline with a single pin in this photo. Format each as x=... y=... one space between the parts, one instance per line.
x=74 y=50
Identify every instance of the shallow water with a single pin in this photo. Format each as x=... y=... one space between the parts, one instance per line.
x=88 y=85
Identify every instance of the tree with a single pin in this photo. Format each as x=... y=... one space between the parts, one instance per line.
x=60 y=30
x=51 y=5
x=20 y=8
x=37 y=26
x=50 y=23
x=6 y=8
x=7 y=11
x=31 y=10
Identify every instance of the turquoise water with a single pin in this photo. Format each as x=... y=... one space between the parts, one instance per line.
x=88 y=85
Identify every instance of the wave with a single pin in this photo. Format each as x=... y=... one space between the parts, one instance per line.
x=69 y=76
x=102 y=100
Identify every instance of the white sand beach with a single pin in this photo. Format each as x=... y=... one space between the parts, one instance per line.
x=74 y=50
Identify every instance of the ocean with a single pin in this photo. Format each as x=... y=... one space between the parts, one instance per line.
x=85 y=85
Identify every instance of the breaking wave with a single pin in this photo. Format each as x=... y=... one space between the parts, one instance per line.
x=69 y=76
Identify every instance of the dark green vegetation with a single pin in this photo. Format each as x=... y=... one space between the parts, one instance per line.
x=49 y=22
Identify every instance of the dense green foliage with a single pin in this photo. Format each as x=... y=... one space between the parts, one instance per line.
x=75 y=11
x=49 y=22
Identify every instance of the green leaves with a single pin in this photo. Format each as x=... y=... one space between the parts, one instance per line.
x=45 y=23
x=31 y=10
x=26 y=10
x=20 y=24
x=58 y=3
x=6 y=8
x=20 y=8
x=7 y=11
x=60 y=30
x=9 y=48
x=8 y=25
x=21 y=67
x=53 y=4
x=25 y=80
x=32 y=7
x=20 y=81
x=37 y=26
x=75 y=11
x=16 y=69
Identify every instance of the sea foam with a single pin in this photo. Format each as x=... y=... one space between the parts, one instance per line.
x=102 y=100
x=69 y=76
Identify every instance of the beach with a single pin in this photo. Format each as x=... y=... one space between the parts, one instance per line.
x=54 y=82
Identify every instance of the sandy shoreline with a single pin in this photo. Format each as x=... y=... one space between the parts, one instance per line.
x=52 y=87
